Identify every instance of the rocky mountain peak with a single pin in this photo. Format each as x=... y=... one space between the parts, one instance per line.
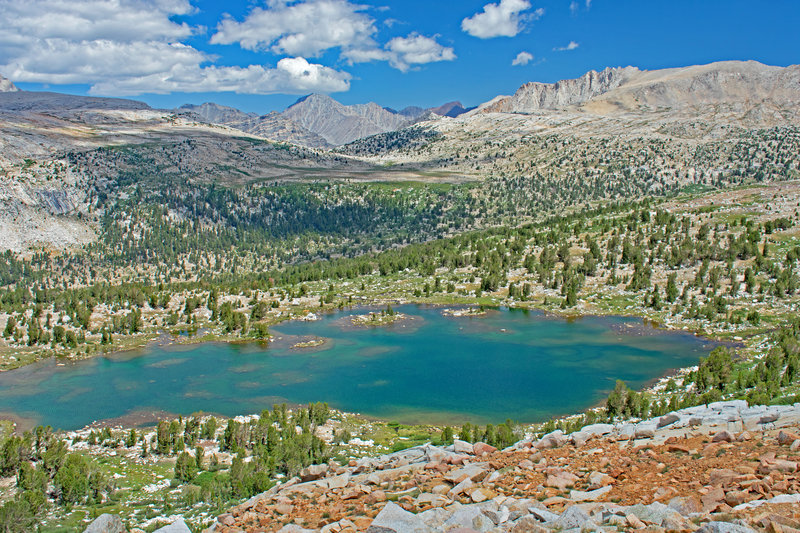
x=6 y=86
x=450 y=109
x=340 y=124
x=315 y=100
x=534 y=96
x=411 y=111
x=748 y=88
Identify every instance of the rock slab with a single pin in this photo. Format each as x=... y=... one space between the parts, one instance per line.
x=106 y=523
x=395 y=519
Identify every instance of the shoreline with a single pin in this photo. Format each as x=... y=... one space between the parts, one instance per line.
x=164 y=341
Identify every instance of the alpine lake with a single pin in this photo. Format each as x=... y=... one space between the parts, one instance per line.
x=427 y=368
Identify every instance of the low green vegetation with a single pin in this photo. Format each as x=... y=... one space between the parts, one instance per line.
x=197 y=466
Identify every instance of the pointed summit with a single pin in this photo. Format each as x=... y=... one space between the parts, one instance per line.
x=450 y=109
x=340 y=124
x=6 y=86
x=315 y=99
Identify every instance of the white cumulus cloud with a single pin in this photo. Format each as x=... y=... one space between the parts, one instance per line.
x=293 y=75
x=571 y=46
x=404 y=53
x=304 y=28
x=129 y=47
x=523 y=58
x=417 y=50
x=64 y=61
x=76 y=20
x=504 y=19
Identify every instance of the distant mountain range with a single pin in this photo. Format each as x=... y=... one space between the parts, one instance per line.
x=450 y=109
x=746 y=90
x=742 y=93
x=314 y=121
x=319 y=121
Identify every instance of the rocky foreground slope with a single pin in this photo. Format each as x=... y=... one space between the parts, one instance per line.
x=687 y=470
x=722 y=467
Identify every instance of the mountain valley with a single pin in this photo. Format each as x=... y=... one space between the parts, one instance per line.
x=669 y=196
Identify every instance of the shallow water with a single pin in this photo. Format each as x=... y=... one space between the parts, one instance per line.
x=508 y=364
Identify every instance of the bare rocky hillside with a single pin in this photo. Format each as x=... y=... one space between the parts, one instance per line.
x=671 y=123
x=273 y=125
x=747 y=87
x=722 y=467
x=534 y=96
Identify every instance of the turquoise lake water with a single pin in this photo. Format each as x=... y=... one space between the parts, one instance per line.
x=526 y=366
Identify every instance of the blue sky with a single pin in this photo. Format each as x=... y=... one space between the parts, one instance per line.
x=262 y=55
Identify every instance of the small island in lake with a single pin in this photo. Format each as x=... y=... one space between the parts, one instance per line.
x=385 y=317
x=313 y=343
